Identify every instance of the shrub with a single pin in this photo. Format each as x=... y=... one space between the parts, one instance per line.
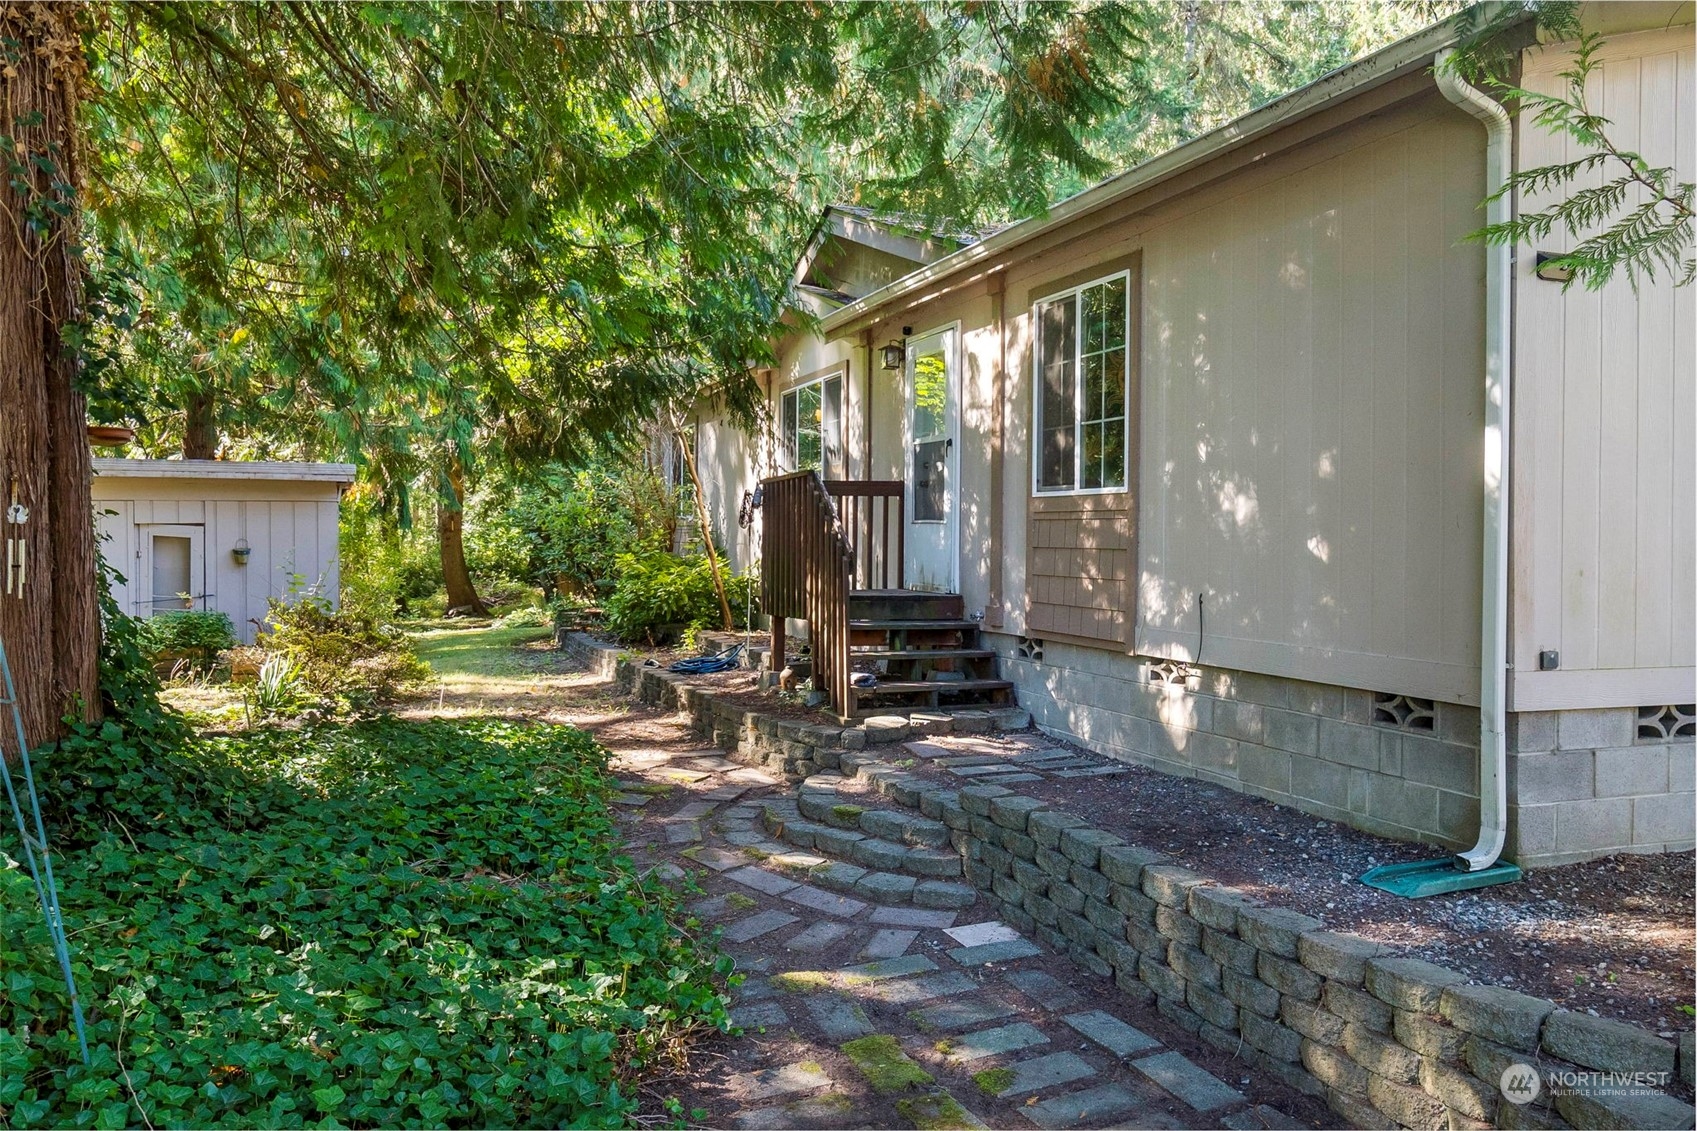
x=376 y=924
x=189 y=634
x=656 y=596
x=343 y=654
x=577 y=525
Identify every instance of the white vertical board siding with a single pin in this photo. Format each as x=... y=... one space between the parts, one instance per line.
x=1603 y=419
x=1313 y=396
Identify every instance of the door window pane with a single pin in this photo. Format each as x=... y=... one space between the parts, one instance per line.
x=930 y=480
x=930 y=395
x=171 y=573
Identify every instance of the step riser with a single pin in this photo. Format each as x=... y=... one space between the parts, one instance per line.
x=863 y=851
x=908 y=606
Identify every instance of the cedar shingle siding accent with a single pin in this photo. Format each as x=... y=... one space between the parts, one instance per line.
x=1079 y=573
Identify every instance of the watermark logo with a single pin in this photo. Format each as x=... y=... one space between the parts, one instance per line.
x=1520 y=1083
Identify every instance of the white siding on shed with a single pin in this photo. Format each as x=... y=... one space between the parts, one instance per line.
x=1603 y=494
x=1313 y=400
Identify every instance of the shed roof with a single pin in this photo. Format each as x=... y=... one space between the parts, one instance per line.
x=342 y=473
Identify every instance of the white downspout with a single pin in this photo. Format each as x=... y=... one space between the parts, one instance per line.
x=1493 y=642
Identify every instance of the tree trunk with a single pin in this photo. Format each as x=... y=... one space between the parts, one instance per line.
x=49 y=613
x=706 y=531
x=450 y=532
x=200 y=430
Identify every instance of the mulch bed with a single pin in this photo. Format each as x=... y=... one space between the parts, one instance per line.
x=1613 y=937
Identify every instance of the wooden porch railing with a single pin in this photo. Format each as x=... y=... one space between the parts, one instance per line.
x=873 y=513
x=806 y=567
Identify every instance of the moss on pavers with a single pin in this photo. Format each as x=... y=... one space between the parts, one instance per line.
x=848 y=814
x=938 y=1111
x=737 y=901
x=800 y=981
x=886 y=1067
x=993 y=1080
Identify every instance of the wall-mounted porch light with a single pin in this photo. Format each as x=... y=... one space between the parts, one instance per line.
x=1549 y=268
x=894 y=354
x=240 y=551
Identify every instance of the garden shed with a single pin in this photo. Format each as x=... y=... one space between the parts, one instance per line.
x=221 y=535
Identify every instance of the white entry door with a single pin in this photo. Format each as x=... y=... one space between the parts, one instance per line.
x=174 y=568
x=933 y=459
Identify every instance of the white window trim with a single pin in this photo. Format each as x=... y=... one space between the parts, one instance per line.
x=785 y=457
x=1078 y=391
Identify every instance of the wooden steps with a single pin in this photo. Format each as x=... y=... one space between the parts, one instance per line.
x=907 y=638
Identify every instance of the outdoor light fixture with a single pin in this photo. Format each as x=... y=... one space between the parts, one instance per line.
x=1548 y=269
x=241 y=551
x=893 y=355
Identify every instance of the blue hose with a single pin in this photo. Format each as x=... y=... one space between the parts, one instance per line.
x=706 y=665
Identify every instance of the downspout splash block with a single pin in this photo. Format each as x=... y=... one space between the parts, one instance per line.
x=1437 y=877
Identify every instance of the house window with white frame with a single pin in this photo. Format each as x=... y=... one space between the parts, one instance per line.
x=811 y=419
x=1083 y=371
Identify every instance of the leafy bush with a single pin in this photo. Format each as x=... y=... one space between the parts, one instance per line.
x=343 y=654
x=384 y=569
x=658 y=595
x=188 y=634
x=578 y=525
x=375 y=924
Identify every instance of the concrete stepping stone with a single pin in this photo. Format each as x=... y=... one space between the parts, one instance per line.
x=977 y=934
x=748 y=775
x=961 y=1013
x=677 y=773
x=966 y=760
x=716 y=907
x=1111 y=1033
x=1034 y=1075
x=783 y=1080
x=1093 y=1105
x=891 y=968
x=1042 y=987
x=837 y=1018
x=727 y=793
x=830 y=1110
x=634 y=800
x=829 y=902
x=979 y=769
x=890 y=942
x=995 y=1042
x=744 y=838
x=886 y=1067
x=718 y=859
x=682 y=832
x=761 y=880
x=694 y=810
x=1094 y=772
x=765 y=1014
x=912 y=991
x=819 y=936
x=1007 y=778
x=995 y=952
x=938 y=1110
x=1259 y=1118
x=744 y=930
x=755 y=989
x=913 y=917
x=1197 y=1088
x=715 y=764
x=927 y=749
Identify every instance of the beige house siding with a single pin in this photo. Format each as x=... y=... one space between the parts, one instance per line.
x=1313 y=409
x=1603 y=493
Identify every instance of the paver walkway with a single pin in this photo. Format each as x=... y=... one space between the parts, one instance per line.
x=863 y=1014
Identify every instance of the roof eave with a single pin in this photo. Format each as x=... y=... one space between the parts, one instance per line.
x=1386 y=65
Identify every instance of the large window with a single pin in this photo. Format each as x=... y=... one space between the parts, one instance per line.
x=1083 y=370
x=812 y=420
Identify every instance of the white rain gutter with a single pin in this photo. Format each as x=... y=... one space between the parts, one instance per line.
x=1493 y=642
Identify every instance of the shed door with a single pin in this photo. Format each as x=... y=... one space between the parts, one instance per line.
x=174 y=568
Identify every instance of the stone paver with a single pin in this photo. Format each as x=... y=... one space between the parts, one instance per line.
x=1078 y=1108
x=891 y=942
x=634 y=800
x=783 y=1080
x=761 y=880
x=961 y=1013
x=912 y=991
x=995 y=1042
x=1042 y=987
x=819 y=936
x=682 y=831
x=995 y=952
x=694 y=810
x=1174 y=1072
x=1094 y=772
x=1044 y=1072
x=891 y=967
x=977 y=934
x=913 y=917
x=745 y=930
x=760 y=1014
x=717 y=859
x=1111 y=1033
x=837 y=1018
x=677 y=774
x=1259 y=1118
x=828 y=902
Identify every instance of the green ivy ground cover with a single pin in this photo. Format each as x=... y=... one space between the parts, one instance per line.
x=375 y=924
